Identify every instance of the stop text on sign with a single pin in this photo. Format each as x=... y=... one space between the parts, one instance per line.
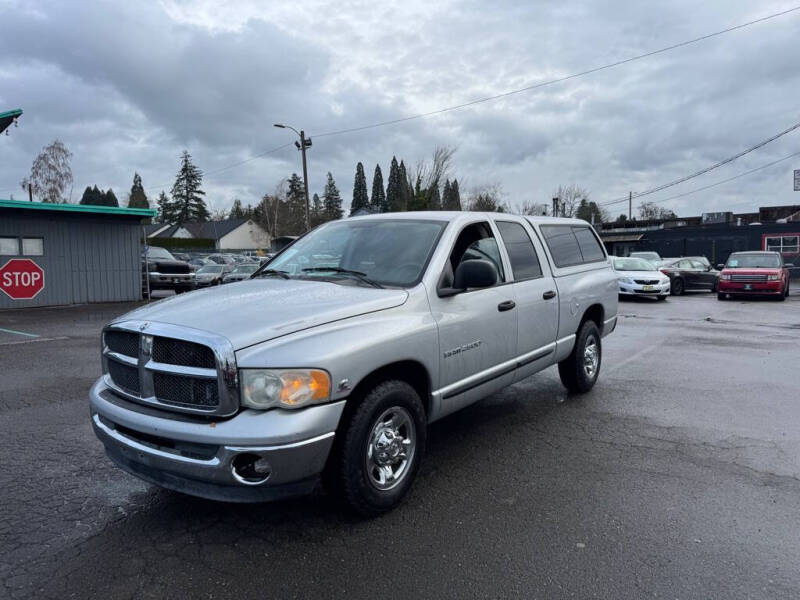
x=21 y=279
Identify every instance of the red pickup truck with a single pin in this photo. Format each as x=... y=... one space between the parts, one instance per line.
x=754 y=274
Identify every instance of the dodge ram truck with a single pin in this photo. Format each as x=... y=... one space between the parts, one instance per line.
x=331 y=360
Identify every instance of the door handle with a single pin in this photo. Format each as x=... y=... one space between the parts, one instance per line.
x=549 y=294
x=507 y=305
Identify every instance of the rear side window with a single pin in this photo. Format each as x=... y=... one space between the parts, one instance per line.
x=524 y=262
x=572 y=245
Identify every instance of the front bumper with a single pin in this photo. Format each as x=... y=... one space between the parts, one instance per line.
x=757 y=288
x=196 y=456
x=635 y=289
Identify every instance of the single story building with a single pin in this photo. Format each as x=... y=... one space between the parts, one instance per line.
x=80 y=253
x=230 y=234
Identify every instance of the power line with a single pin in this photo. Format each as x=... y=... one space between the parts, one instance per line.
x=703 y=171
x=559 y=79
x=705 y=187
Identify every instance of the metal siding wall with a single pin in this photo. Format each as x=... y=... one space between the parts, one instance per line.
x=86 y=259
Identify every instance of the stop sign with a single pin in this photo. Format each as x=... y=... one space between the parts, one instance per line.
x=21 y=279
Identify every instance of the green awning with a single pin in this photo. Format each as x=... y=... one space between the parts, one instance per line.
x=8 y=117
x=79 y=208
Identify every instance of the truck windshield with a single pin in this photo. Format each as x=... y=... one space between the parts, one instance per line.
x=155 y=252
x=390 y=252
x=753 y=261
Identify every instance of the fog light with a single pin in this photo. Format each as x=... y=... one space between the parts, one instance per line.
x=250 y=469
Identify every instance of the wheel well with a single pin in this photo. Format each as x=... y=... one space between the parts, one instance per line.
x=595 y=313
x=410 y=371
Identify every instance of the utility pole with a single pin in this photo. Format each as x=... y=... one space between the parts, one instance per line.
x=555 y=207
x=302 y=145
x=630 y=204
x=30 y=192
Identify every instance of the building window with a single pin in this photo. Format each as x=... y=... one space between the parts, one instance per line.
x=9 y=246
x=785 y=244
x=33 y=246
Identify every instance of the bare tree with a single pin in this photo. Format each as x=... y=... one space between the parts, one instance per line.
x=486 y=198
x=569 y=198
x=531 y=209
x=651 y=210
x=433 y=175
x=269 y=209
x=50 y=173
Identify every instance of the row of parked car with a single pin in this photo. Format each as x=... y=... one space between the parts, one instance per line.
x=753 y=273
x=182 y=272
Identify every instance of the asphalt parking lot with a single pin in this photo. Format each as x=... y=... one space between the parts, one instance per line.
x=678 y=476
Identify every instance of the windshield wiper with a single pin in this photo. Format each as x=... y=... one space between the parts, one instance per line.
x=357 y=274
x=281 y=274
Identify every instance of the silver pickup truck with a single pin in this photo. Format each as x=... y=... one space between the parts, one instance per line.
x=330 y=362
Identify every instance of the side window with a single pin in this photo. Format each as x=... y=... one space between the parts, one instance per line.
x=475 y=242
x=9 y=246
x=524 y=262
x=685 y=264
x=696 y=264
x=563 y=245
x=33 y=246
x=590 y=247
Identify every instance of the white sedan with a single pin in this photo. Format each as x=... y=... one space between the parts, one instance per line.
x=639 y=277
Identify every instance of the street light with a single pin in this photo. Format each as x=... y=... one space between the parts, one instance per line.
x=301 y=145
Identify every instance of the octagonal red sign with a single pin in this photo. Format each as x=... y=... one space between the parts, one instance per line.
x=21 y=279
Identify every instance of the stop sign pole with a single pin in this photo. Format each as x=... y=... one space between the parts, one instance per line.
x=21 y=279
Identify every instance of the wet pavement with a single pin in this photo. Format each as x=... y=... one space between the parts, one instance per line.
x=678 y=476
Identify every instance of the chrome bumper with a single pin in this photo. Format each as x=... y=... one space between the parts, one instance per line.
x=145 y=443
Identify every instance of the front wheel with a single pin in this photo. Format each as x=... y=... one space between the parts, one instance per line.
x=662 y=297
x=381 y=448
x=579 y=371
x=721 y=296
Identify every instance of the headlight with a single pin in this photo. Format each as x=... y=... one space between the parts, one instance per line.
x=773 y=277
x=625 y=280
x=725 y=276
x=287 y=388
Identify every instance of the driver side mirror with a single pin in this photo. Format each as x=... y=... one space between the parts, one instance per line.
x=471 y=274
x=720 y=266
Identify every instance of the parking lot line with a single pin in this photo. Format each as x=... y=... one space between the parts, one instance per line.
x=33 y=341
x=32 y=335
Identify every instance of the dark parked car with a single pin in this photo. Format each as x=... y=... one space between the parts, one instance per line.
x=162 y=271
x=690 y=273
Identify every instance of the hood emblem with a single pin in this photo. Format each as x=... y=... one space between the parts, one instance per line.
x=143 y=326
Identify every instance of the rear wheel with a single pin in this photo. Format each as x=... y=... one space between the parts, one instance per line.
x=579 y=371
x=676 y=289
x=382 y=444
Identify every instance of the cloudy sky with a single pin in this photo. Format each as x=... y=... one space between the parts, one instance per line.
x=128 y=85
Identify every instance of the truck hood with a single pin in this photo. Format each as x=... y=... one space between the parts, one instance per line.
x=259 y=310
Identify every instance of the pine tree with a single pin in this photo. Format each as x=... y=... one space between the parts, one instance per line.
x=331 y=200
x=360 y=198
x=166 y=209
x=237 y=212
x=294 y=222
x=91 y=195
x=455 y=197
x=187 y=194
x=109 y=199
x=378 y=199
x=137 y=198
x=394 y=189
x=406 y=191
x=317 y=215
x=446 y=195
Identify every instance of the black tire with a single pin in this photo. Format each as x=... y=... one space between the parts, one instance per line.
x=662 y=298
x=348 y=474
x=787 y=289
x=572 y=370
x=714 y=287
x=721 y=296
x=677 y=287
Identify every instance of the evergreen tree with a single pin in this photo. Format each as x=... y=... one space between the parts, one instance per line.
x=317 y=215
x=294 y=223
x=109 y=199
x=166 y=209
x=394 y=189
x=455 y=197
x=92 y=195
x=331 y=200
x=407 y=192
x=419 y=198
x=187 y=194
x=237 y=212
x=434 y=198
x=378 y=199
x=446 y=192
x=360 y=198
x=137 y=198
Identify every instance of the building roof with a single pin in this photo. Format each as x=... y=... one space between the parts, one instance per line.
x=79 y=208
x=210 y=230
x=8 y=117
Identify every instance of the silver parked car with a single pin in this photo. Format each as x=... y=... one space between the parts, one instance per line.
x=334 y=358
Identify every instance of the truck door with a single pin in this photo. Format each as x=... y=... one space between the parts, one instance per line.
x=536 y=297
x=477 y=328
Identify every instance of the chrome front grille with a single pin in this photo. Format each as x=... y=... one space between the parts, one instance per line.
x=746 y=277
x=171 y=367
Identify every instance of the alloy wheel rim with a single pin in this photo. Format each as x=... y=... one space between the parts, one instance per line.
x=591 y=357
x=390 y=448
